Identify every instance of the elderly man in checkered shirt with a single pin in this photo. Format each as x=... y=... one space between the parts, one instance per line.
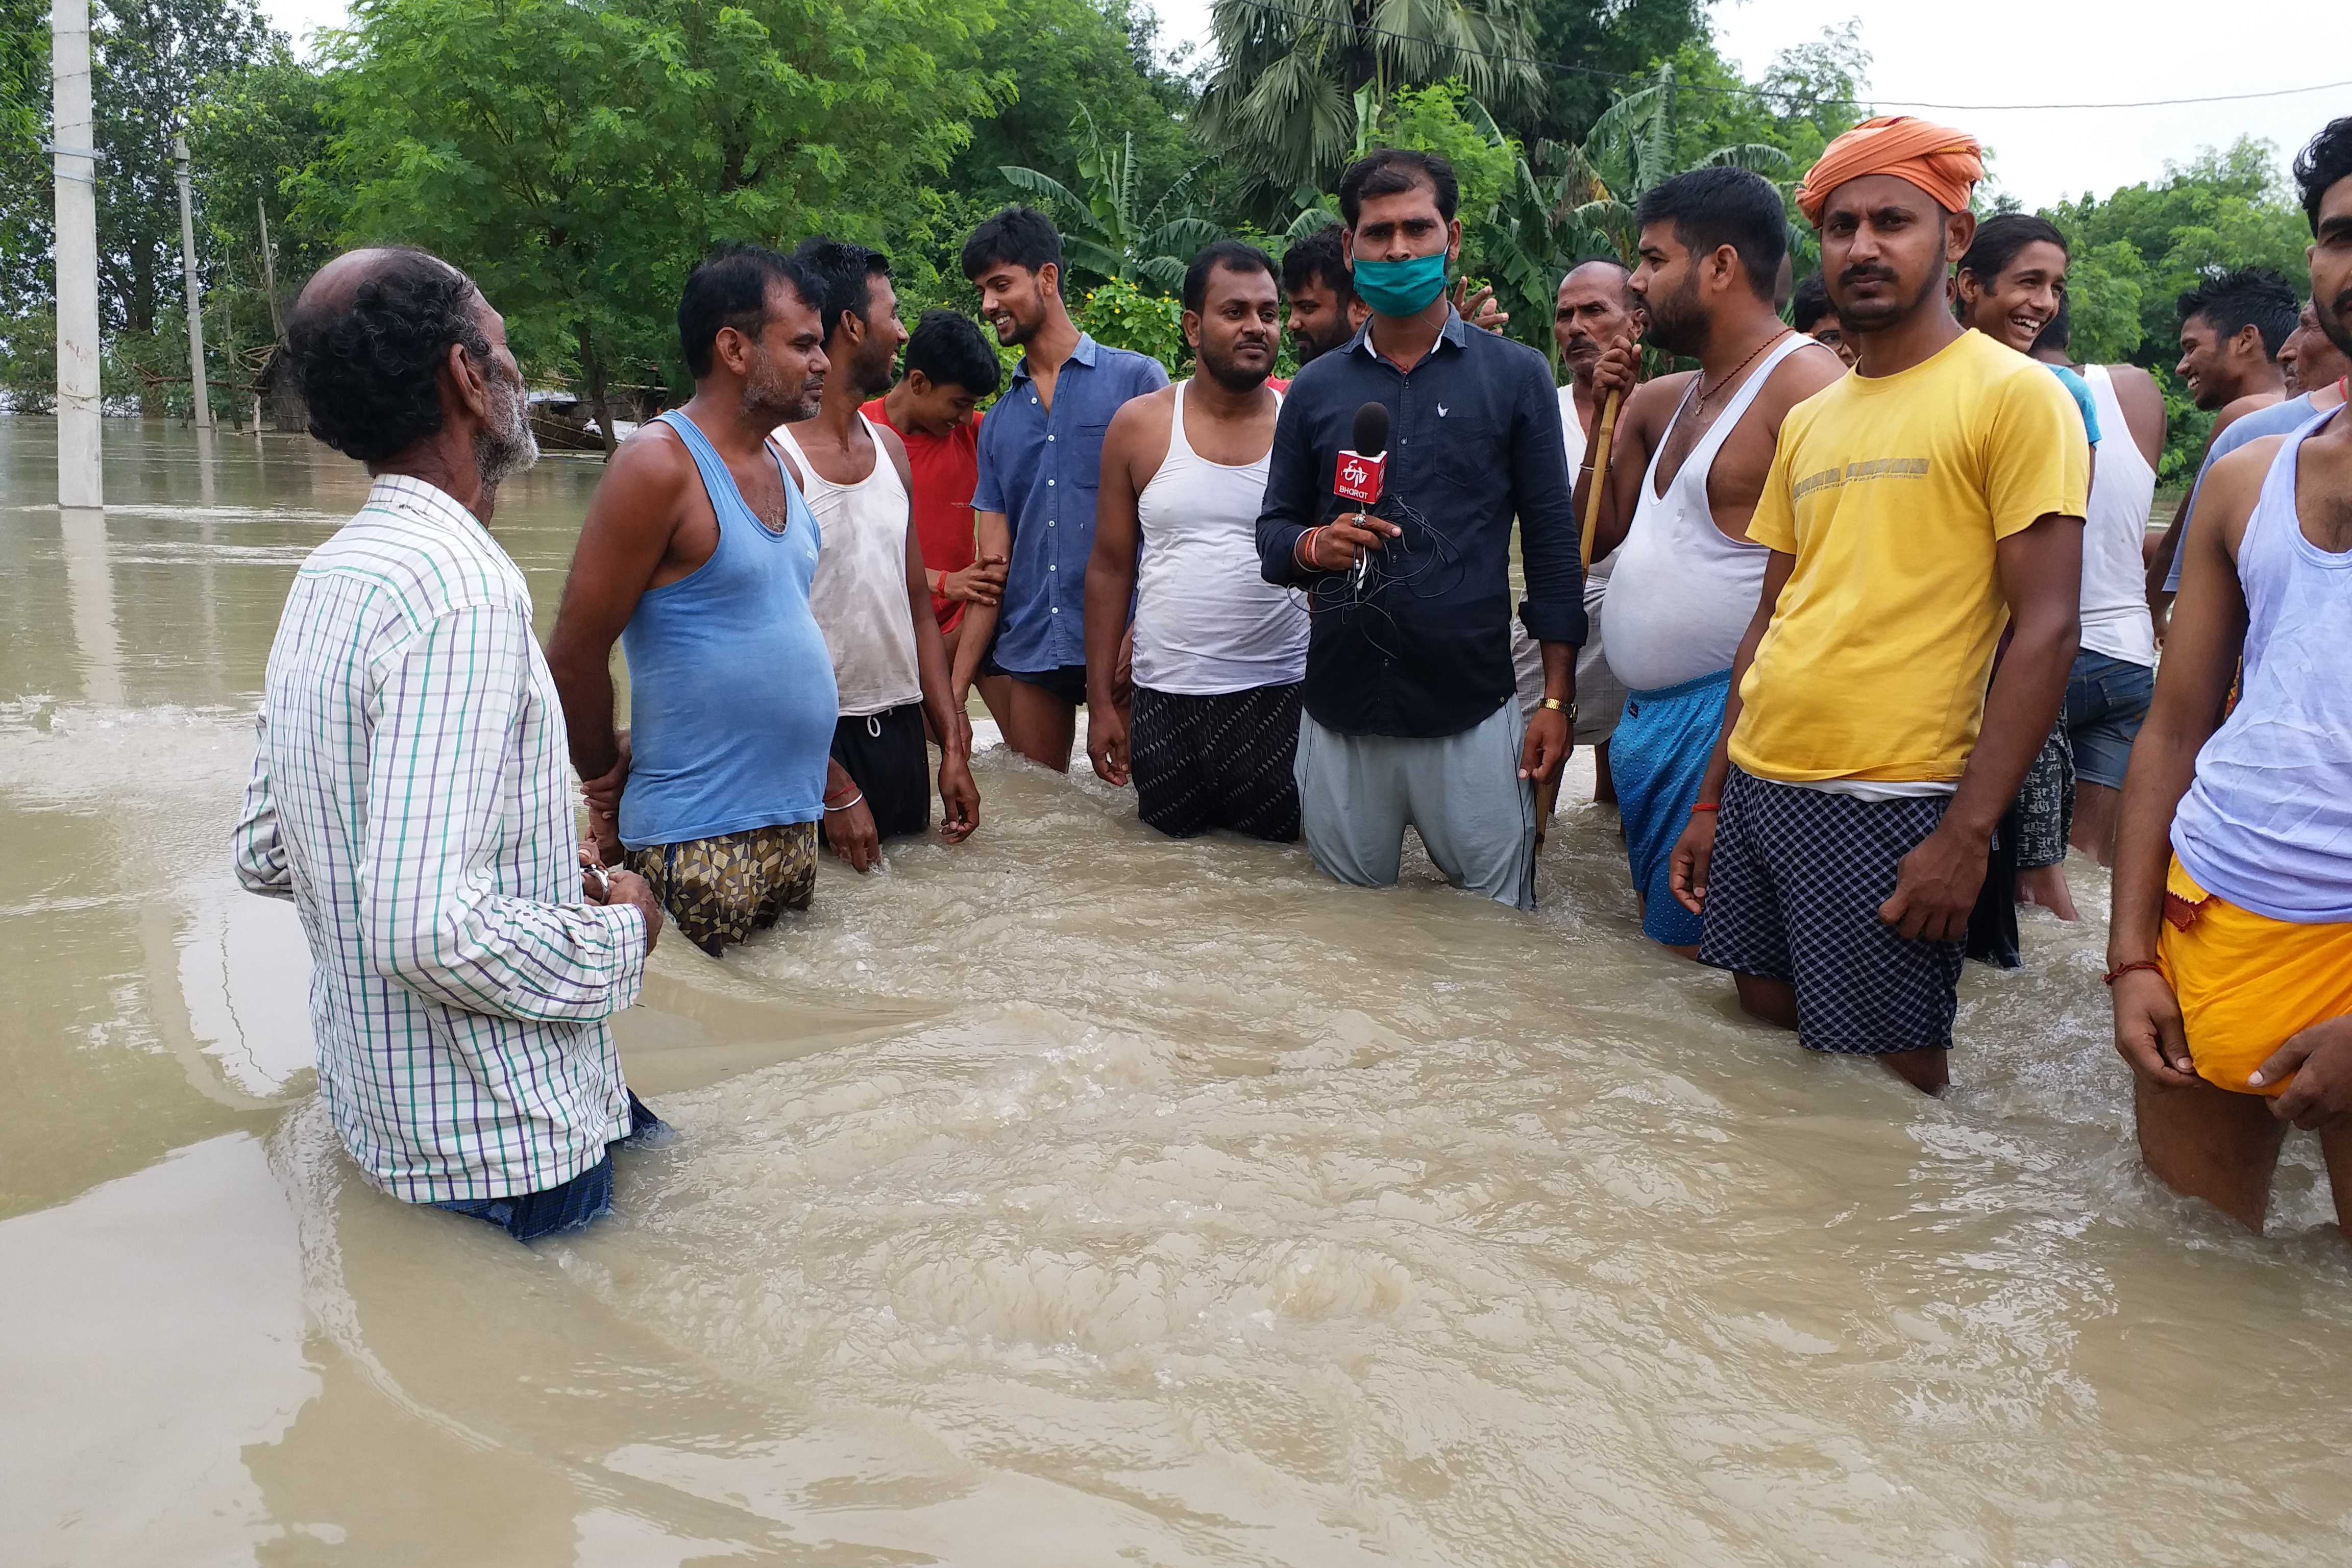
x=411 y=792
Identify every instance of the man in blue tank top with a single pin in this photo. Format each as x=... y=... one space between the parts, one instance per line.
x=696 y=556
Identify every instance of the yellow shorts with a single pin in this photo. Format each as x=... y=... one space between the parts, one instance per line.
x=2246 y=982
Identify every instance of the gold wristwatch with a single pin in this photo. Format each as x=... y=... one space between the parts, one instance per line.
x=1557 y=706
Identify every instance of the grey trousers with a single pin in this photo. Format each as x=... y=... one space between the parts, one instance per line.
x=1462 y=793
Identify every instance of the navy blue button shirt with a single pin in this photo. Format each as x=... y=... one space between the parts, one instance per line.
x=1043 y=469
x=1423 y=647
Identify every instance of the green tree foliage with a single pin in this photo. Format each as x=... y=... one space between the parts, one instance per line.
x=1280 y=105
x=1699 y=112
x=154 y=63
x=1640 y=143
x=1127 y=316
x=253 y=138
x=26 y=204
x=2223 y=209
x=1608 y=41
x=1109 y=231
x=579 y=157
x=1522 y=229
x=1803 y=100
x=1098 y=54
x=2136 y=252
x=150 y=60
x=2105 y=285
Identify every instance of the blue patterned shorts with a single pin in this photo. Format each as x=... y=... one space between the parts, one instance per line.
x=1793 y=894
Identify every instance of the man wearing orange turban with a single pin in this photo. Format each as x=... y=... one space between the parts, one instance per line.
x=1913 y=508
x=1944 y=162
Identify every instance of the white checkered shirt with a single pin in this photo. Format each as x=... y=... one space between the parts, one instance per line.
x=412 y=794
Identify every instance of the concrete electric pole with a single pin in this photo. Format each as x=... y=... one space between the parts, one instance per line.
x=74 y=146
x=270 y=270
x=196 y=289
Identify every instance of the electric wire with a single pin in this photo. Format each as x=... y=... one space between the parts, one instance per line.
x=1786 y=100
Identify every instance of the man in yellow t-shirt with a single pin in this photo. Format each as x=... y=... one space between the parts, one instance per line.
x=1914 y=509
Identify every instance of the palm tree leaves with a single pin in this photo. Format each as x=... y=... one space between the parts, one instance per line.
x=1632 y=147
x=1107 y=231
x=1278 y=104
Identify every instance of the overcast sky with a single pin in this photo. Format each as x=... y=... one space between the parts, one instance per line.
x=2058 y=51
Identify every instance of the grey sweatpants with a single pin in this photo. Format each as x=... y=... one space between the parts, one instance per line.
x=1462 y=793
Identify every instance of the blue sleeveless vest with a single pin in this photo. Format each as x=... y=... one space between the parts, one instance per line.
x=732 y=701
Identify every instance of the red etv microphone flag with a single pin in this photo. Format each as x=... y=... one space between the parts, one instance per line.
x=1357 y=478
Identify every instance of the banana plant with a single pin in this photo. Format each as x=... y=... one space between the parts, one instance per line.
x=1599 y=184
x=1277 y=106
x=1108 y=231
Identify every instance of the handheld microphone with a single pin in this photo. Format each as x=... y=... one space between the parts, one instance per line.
x=1362 y=469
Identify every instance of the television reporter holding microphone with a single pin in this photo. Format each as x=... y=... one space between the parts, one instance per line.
x=1411 y=714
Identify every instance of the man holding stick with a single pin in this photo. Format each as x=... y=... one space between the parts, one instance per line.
x=1688 y=465
x=1593 y=309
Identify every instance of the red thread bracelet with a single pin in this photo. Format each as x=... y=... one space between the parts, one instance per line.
x=2119 y=971
x=1702 y=806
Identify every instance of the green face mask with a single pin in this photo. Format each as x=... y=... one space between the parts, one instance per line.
x=1401 y=288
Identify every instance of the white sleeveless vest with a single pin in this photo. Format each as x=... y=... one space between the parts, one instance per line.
x=1684 y=592
x=859 y=596
x=1206 y=620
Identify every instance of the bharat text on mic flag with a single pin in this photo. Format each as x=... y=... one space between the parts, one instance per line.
x=1357 y=478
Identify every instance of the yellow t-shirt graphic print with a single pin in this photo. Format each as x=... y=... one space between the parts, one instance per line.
x=1892 y=492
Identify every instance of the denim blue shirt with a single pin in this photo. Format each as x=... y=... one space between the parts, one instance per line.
x=1043 y=469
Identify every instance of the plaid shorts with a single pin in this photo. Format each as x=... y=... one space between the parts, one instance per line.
x=1223 y=761
x=720 y=889
x=1793 y=894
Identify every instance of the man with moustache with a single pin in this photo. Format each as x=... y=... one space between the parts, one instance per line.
x=1594 y=308
x=2232 y=326
x=2307 y=361
x=696 y=557
x=1324 y=310
x=871 y=596
x=950 y=369
x=1913 y=508
x=2319 y=368
x=2230 y=954
x=1811 y=314
x=409 y=793
x=1409 y=713
x=1219 y=651
x=1597 y=306
x=1040 y=473
x=1691 y=454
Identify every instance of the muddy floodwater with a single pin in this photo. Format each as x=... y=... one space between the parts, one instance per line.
x=1069 y=1197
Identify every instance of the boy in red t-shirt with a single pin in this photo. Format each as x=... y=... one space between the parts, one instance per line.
x=950 y=367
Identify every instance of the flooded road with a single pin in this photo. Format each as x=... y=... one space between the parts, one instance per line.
x=1069 y=1197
